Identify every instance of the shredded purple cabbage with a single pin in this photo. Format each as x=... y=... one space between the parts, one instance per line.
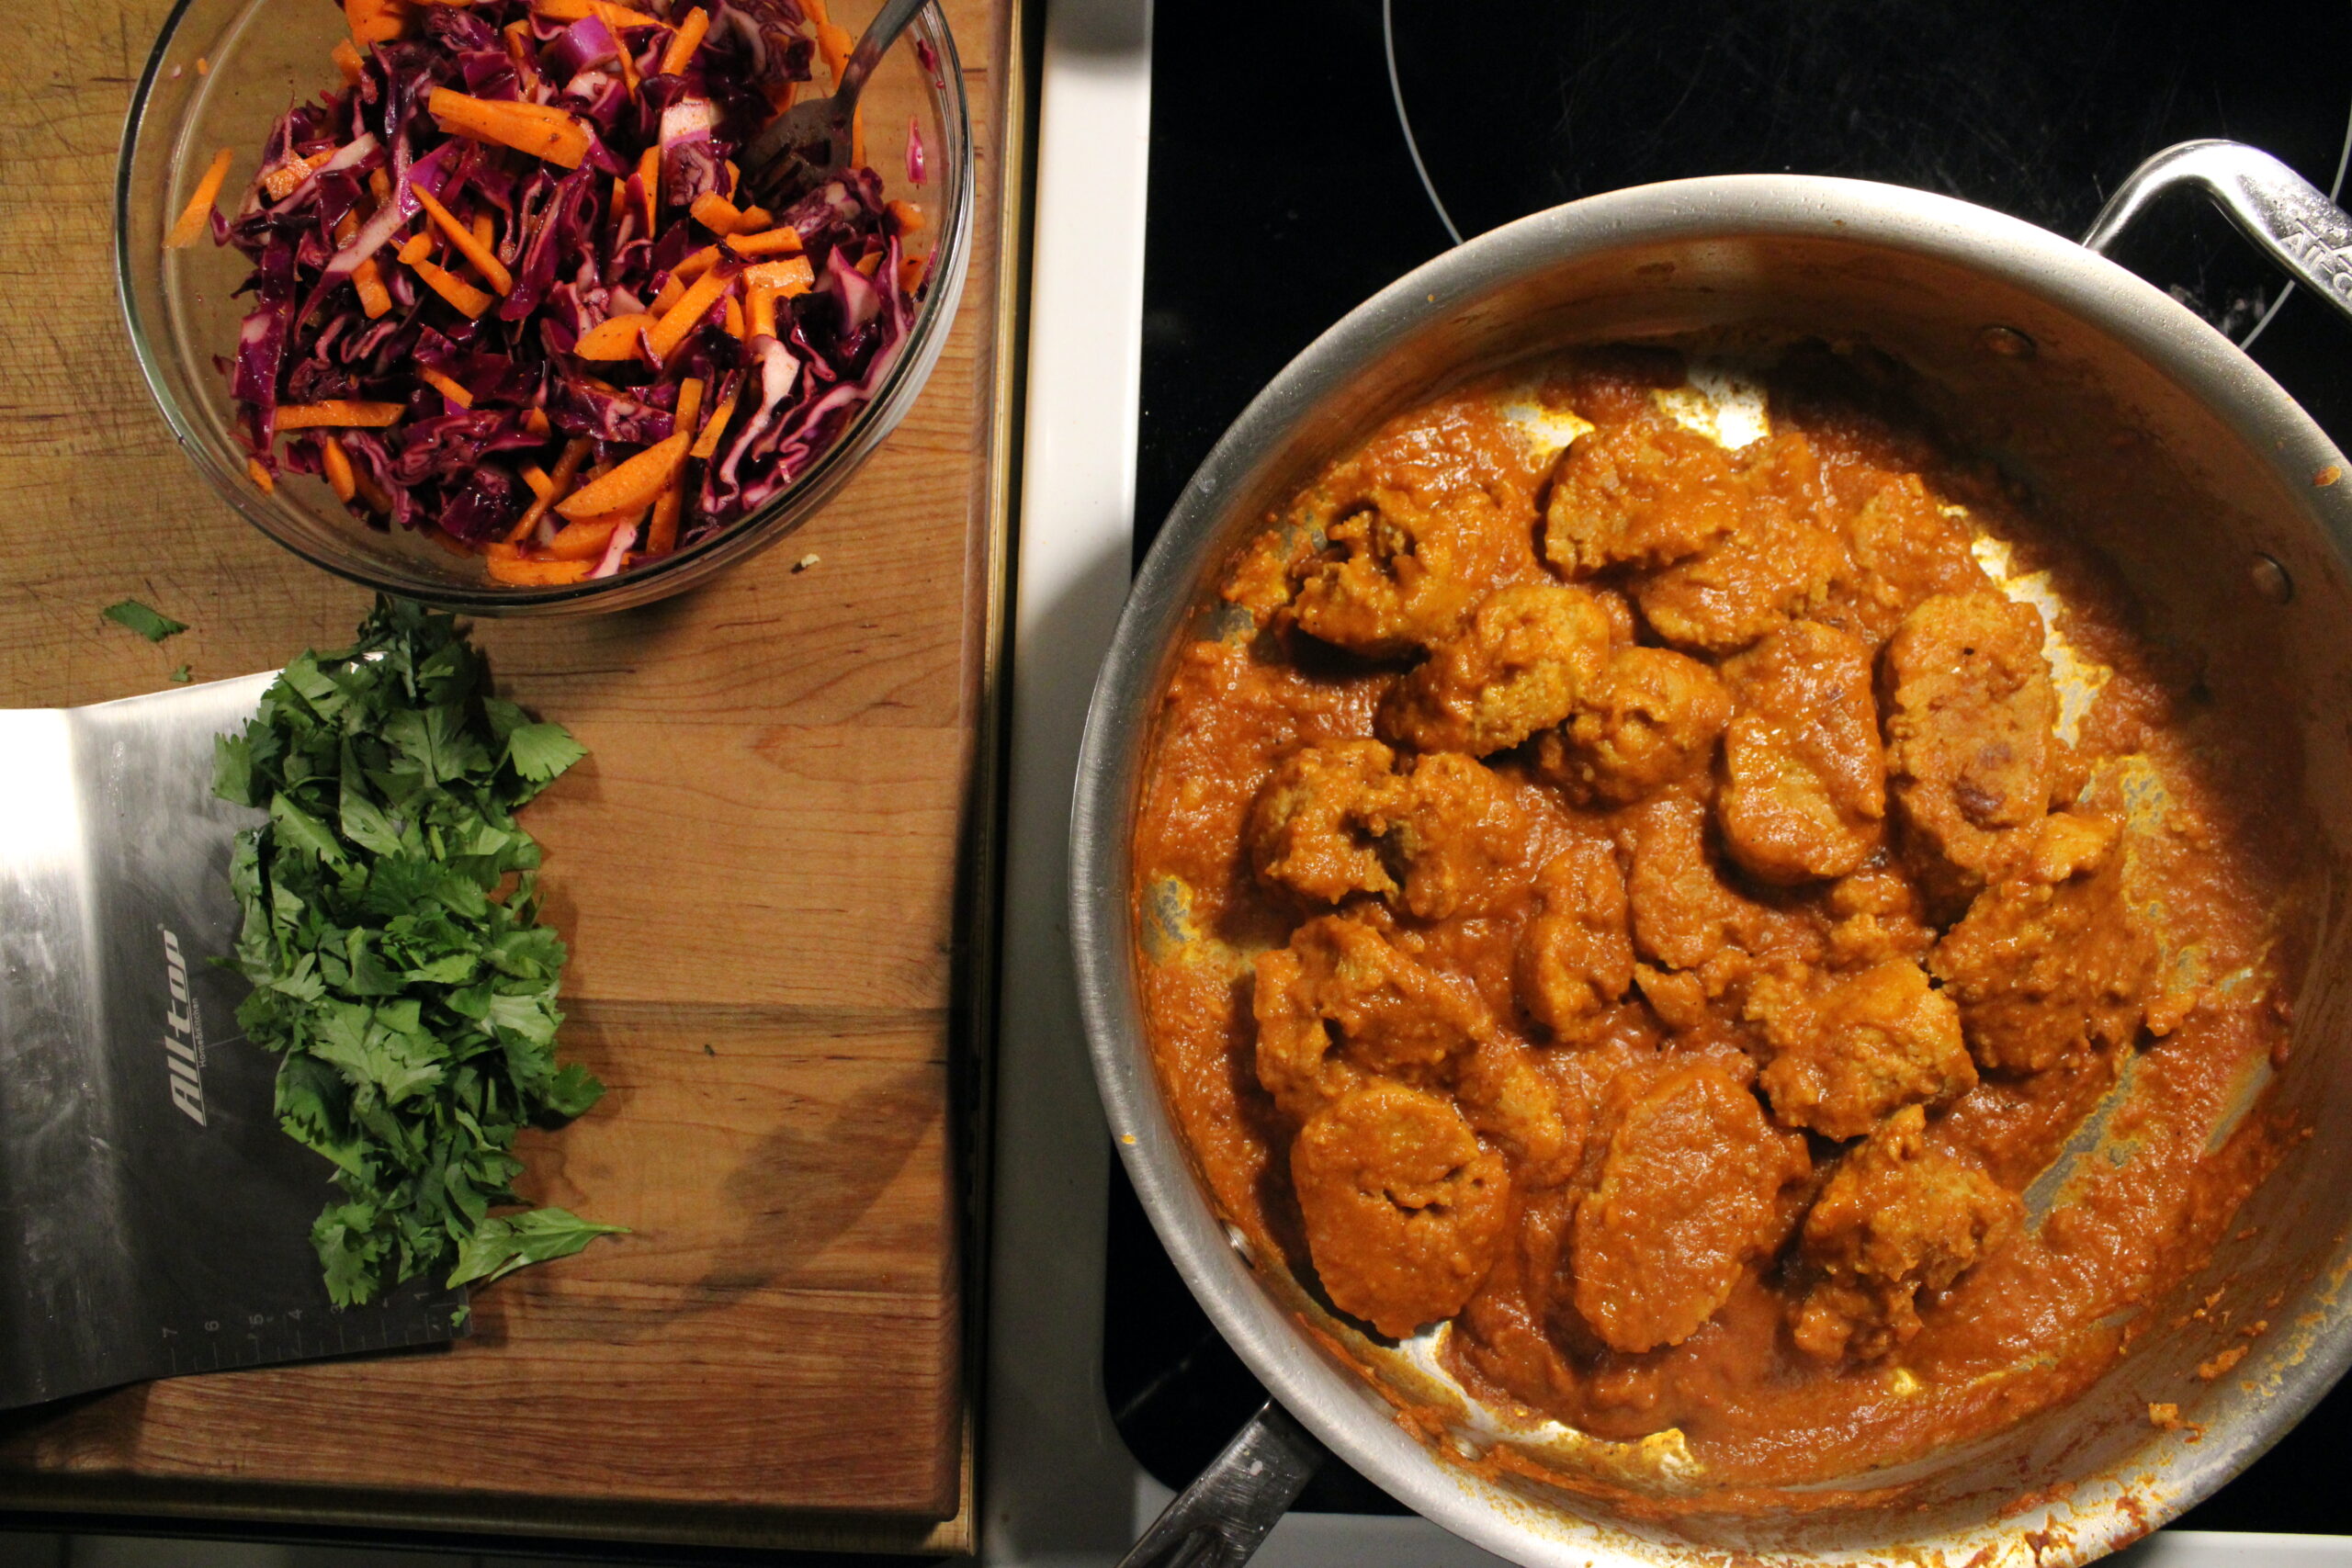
x=340 y=192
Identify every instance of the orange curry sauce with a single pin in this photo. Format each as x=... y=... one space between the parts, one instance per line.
x=1649 y=904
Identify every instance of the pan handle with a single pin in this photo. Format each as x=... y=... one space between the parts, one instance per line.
x=1221 y=1519
x=2277 y=208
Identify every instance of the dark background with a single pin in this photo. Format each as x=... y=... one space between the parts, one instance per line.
x=1282 y=194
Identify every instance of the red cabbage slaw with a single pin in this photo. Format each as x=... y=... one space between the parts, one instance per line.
x=433 y=244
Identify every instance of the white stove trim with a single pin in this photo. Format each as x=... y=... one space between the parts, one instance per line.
x=1057 y=1487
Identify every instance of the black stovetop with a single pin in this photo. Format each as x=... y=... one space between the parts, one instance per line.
x=1283 y=193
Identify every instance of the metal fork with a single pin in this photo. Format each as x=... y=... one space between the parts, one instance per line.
x=810 y=143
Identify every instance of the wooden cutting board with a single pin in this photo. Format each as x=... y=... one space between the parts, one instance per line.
x=771 y=871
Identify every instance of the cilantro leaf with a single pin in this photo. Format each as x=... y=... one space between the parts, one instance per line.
x=501 y=1246
x=153 y=624
x=540 y=751
x=405 y=983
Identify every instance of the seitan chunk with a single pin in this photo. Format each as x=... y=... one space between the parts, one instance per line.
x=1340 y=1002
x=1647 y=493
x=1687 y=1198
x=1847 y=1052
x=2051 y=959
x=1404 y=1209
x=1459 y=836
x=1516 y=667
x=1803 y=775
x=1904 y=549
x=1894 y=1219
x=1577 y=956
x=1652 y=717
x=1782 y=562
x=1971 y=716
x=1314 y=830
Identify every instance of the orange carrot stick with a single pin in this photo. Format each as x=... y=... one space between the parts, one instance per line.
x=537 y=573
x=681 y=318
x=260 y=475
x=614 y=19
x=380 y=185
x=492 y=270
x=762 y=322
x=472 y=302
x=834 y=43
x=536 y=421
x=584 y=540
x=415 y=248
x=377 y=21
x=567 y=468
x=716 y=213
x=485 y=232
x=707 y=445
x=648 y=179
x=446 y=386
x=519 y=53
x=536 y=477
x=614 y=337
x=368 y=279
x=195 y=217
x=634 y=484
x=537 y=128
x=284 y=180
x=737 y=327
x=768 y=243
x=787 y=277
x=371 y=494
x=338 y=468
x=695 y=265
x=339 y=411
x=911 y=272
x=689 y=37
x=347 y=61
x=910 y=216
x=579 y=10
x=663 y=536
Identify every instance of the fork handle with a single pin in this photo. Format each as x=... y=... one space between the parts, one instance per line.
x=880 y=34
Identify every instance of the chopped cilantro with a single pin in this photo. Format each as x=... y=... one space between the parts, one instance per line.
x=183 y=675
x=540 y=751
x=153 y=624
x=412 y=1008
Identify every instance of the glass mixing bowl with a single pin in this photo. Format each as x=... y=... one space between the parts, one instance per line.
x=221 y=72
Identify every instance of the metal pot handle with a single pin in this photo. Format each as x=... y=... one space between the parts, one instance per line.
x=1221 y=1519
x=2277 y=208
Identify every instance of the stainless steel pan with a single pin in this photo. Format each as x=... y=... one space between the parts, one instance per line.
x=2231 y=527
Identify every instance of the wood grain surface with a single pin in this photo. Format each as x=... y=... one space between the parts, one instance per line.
x=767 y=870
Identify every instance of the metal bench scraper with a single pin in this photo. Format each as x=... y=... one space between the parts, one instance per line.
x=153 y=1218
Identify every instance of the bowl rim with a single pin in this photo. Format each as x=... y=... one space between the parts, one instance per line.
x=1342 y=1409
x=780 y=517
